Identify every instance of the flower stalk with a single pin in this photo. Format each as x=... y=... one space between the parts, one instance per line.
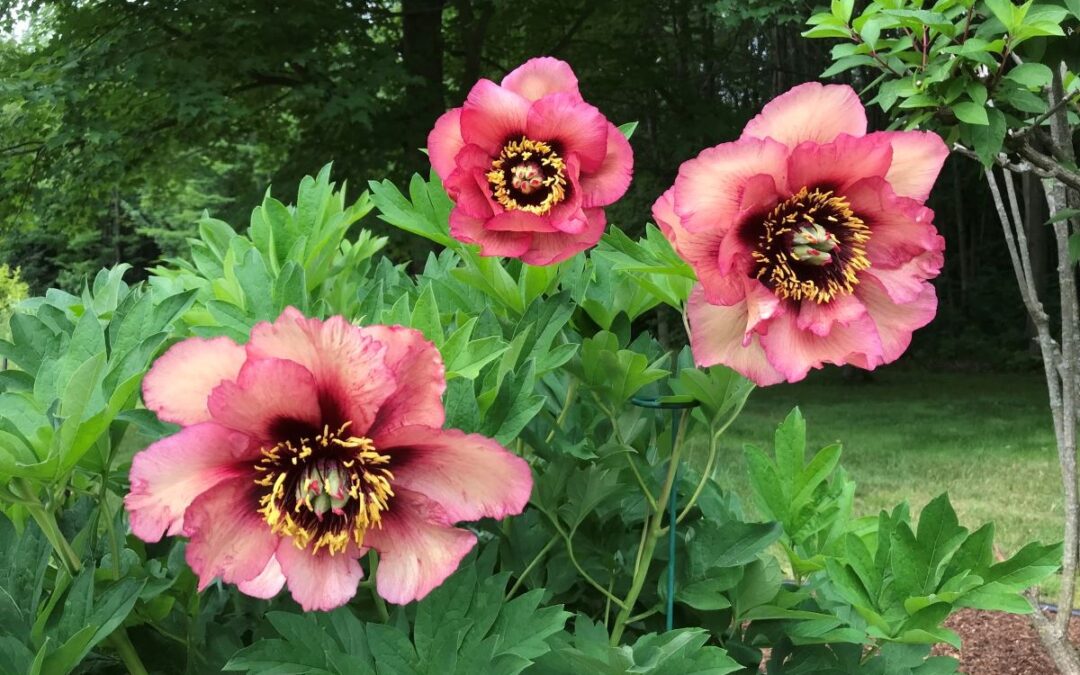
x=46 y=520
x=652 y=536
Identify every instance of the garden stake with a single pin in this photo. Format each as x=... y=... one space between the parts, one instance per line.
x=674 y=407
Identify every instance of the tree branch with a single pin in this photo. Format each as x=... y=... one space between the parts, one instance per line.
x=1048 y=164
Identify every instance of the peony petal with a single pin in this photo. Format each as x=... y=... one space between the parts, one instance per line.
x=709 y=189
x=180 y=381
x=420 y=376
x=352 y=380
x=567 y=216
x=519 y=221
x=905 y=283
x=267 y=394
x=838 y=164
x=663 y=212
x=468 y=475
x=900 y=228
x=229 y=539
x=809 y=112
x=818 y=318
x=701 y=250
x=917 y=160
x=417 y=547
x=493 y=115
x=267 y=584
x=895 y=322
x=716 y=337
x=578 y=127
x=471 y=193
x=541 y=76
x=609 y=182
x=468 y=185
x=548 y=249
x=761 y=306
x=319 y=582
x=472 y=231
x=167 y=476
x=794 y=352
x=444 y=142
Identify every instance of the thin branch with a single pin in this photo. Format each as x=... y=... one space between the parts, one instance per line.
x=1048 y=164
x=567 y=539
x=1001 y=160
x=1038 y=121
x=1057 y=199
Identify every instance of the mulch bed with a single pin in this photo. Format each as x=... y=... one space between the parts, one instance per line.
x=1001 y=644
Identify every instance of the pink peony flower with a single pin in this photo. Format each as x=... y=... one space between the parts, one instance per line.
x=308 y=445
x=809 y=238
x=529 y=165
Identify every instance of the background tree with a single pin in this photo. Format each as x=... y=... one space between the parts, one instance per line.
x=120 y=122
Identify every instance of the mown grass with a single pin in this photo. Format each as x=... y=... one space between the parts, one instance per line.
x=986 y=439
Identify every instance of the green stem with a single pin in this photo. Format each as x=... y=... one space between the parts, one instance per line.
x=630 y=460
x=573 y=559
x=651 y=538
x=571 y=390
x=529 y=568
x=47 y=522
x=644 y=615
x=641 y=481
x=380 y=604
x=714 y=447
x=122 y=644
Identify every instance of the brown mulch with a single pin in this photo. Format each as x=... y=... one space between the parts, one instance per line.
x=1001 y=644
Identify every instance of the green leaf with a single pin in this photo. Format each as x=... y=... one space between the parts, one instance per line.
x=910 y=563
x=78 y=399
x=969 y=112
x=1064 y=214
x=425 y=316
x=847 y=63
x=426 y=215
x=790 y=446
x=1004 y=11
x=706 y=595
x=986 y=140
x=842 y=9
x=628 y=129
x=939 y=536
x=278 y=657
x=257 y=285
x=819 y=469
x=1030 y=74
x=760 y=583
x=1031 y=564
x=733 y=543
x=826 y=32
x=768 y=490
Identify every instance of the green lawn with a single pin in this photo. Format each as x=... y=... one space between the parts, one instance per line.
x=986 y=439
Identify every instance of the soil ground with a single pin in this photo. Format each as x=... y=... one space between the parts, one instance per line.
x=1001 y=644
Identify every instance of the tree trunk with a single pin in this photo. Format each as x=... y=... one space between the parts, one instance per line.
x=1035 y=217
x=475 y=17
x=422 y=56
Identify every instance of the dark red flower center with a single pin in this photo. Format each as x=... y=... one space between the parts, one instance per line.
x=811 y=246
x=325 y=490
x=528 y=176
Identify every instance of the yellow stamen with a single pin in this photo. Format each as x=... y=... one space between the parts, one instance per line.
x=812 y=207
x=368 y=482
x=526 y=175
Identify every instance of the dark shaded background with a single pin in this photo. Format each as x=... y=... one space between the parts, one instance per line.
x=121 y=121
